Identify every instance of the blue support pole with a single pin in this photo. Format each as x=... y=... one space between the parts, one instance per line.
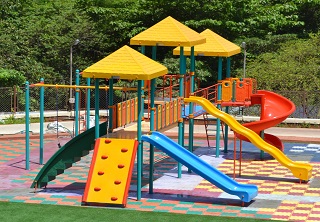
x=140 y=146
x=41 y=121
x=219 y=107
x=226 y=127
x=27 y=125
x=76 y=104
x=88 y=105
x=96 y=108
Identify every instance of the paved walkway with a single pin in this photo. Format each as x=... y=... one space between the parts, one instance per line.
x=281 y=196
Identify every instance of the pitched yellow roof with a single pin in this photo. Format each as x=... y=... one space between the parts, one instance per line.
x=168 y=32
x=126 y=63
x=215 y=46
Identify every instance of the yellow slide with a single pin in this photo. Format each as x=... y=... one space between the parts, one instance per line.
x=303 y=171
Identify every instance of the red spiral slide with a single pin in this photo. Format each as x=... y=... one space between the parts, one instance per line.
x=274 y=110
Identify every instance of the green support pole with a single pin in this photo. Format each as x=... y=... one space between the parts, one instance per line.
x=140 y=146
x=191 y=116
x=219 y=107
x=110 y=105
x=41 y=121
x=76 y=115
x=96 y=108
x=88 y=105
x=27 y=88
x=152 y=120
x=226 y=127
x=181 y=92
x=152 y=109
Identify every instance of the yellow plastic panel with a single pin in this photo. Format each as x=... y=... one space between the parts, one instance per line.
x=226 y=89
x=126 y=63
x=168 y=32
x=110 y=171
x=215 y=46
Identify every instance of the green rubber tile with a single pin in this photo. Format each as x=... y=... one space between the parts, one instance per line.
x=147 y=207
x=18 y=181
x=17 y=201
x=167 y=205
x=7 y=197
x=200 y=206
x=38 y=198
x=249 y=211
x=225 y=214
x=195 y=212
x=135 y=203
x=263 y=216
x=214 y=210
x=154 y=201
x=180 y=208
x=48 y=202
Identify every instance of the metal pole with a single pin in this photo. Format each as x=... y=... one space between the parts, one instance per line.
x=76 y=42
x=41 y=121
x=27 y=125
x=243 y=45
x=76 y=105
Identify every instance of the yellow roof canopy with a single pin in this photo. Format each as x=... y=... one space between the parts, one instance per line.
x=215 y=46
x=168 y=32
x=126 y=63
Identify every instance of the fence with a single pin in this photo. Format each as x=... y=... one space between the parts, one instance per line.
x=13 y=101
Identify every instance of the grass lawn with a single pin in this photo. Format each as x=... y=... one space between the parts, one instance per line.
x=10 y=211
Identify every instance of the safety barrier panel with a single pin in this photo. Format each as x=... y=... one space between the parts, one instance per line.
x=237 y=90
x=166 y=113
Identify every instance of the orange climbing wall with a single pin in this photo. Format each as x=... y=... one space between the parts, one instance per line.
x=110 y=171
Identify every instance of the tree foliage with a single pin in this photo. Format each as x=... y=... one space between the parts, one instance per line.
x=10 y=78
x=37 y=35
x=295 y=66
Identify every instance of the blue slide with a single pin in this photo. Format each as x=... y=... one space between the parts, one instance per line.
x=245 y=192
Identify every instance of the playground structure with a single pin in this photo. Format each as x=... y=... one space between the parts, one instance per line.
x=127 y=63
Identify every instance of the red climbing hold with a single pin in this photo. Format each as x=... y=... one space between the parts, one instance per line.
x=124 y=150
x=100 y=173
x=120 y=166
x=104 y=157
x=117 y=182
x=107 y=141
x=114 y=198
x=97 y=189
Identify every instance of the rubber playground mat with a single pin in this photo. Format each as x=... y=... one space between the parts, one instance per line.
x=281 y=196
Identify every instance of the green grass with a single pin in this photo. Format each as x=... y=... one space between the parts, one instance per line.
x=10 y=211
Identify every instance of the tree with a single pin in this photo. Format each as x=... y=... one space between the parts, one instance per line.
x=295 y=66
x=10 y=78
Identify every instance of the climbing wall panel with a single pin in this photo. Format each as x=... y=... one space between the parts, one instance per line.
x=110 y=171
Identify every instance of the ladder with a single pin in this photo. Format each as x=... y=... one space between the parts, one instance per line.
x=211 y=127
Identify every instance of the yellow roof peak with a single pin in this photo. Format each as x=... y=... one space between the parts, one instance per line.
x=168 y=32
x=214 y=46
x=125 y=63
